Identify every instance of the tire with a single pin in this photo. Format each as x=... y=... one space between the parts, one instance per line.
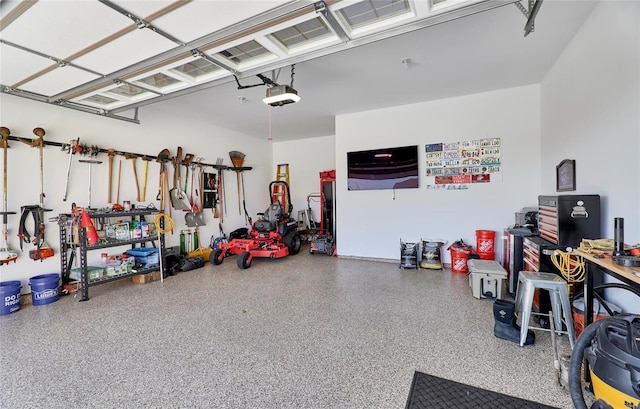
x=216 y=257
x=243 y=260
x=293 y=242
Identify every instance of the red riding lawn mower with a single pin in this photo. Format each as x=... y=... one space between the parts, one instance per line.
x=274 y=235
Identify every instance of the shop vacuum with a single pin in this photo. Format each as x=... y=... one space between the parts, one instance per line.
x=611 y=347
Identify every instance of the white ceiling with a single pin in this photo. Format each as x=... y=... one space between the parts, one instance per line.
x=484 y=51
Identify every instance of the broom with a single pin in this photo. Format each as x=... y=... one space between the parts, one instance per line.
x=237 y=158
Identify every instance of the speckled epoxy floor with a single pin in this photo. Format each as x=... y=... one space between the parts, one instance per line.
x=307 y=331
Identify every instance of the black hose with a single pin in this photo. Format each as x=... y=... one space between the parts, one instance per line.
x=575 y=365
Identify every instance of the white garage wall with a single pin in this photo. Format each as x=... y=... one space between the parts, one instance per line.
x=167 y=125
x=591 y=113
x=306 y=159
x=371 y=223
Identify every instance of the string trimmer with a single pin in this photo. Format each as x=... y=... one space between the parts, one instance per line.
x=42 y=250
x=6 y=253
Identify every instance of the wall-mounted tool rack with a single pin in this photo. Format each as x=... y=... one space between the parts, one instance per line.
x=94 y=151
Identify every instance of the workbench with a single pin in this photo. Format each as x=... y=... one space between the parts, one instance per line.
x=630 y=276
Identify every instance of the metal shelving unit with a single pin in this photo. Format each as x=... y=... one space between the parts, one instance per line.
x=68 y=248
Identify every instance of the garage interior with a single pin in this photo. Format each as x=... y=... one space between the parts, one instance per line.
x=125 y=80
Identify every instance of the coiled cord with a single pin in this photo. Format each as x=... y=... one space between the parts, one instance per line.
x=571 y=266
x=168 y=223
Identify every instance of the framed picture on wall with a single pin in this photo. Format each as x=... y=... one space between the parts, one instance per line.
x=209 y=190
x=566 y=176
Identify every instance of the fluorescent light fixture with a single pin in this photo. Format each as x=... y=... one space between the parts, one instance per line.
x=280 y=95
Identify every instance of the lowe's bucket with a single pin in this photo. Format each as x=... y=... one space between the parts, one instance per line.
x=10 y=295
x=44 y=288
x=485 y=244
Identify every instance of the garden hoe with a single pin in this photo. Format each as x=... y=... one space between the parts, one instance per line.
x=6 y=253
x=143 y=193
x=133 y=158
x=110 y=153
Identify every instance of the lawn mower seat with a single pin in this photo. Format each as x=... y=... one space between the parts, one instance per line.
x=271 y=217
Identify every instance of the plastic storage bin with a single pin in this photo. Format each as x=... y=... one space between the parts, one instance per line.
x=148 y=257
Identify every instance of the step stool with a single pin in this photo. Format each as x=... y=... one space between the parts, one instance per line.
x=528 y=282
x=304 y=220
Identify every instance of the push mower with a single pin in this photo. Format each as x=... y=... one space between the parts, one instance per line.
x=273 y=235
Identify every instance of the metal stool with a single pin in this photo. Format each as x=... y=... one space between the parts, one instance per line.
x=528 y=282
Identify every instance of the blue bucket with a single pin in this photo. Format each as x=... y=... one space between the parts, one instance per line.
x=10 y=295
x=44 y=288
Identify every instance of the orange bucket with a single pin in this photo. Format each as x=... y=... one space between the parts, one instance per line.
x=485 y=244
x=599 y=313
x=459 y=262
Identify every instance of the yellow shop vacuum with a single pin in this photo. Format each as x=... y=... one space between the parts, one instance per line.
x=612 y=349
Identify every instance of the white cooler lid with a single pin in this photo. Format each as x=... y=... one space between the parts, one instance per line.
x=486 y=266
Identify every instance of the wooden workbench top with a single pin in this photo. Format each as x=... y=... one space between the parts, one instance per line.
x=630 y=273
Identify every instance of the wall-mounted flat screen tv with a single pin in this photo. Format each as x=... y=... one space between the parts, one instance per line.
x=391 y=168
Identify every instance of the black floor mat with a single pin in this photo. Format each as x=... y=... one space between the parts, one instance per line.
x=431 y=392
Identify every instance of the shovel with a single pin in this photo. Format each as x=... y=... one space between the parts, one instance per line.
x=179 y=199
x=163 y=157
x=195 y=217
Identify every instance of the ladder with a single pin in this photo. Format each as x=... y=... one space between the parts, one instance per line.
x=279 y=194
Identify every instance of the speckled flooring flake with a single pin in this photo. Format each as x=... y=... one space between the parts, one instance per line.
x=307 y=331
